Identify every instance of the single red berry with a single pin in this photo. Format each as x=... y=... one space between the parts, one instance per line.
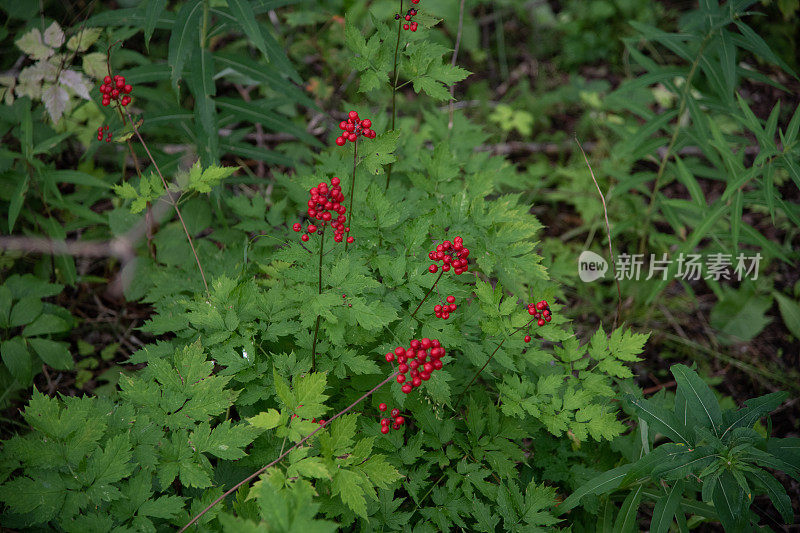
x=403 y=368
x=432 y=269
x=413 y=26
x=321 y=421
x=366 y=123
x=127 y=89
x=353 y=115
x=527 y=338
x=395 y=412
x=401 y=378
x=437 y=364
x=395 y=426
x=399 y=420
x=406 y=388
x=445 y=315
x=297 y=226
x=385 y=429
x=304 y=237
x=541 y=322
x=120 y=83
x=383 y=407
x=405 y=26
x=107 y=79
x=340 y=141
x=416 y=382
x=408 y=17
x=350 y=240
x=451 y=299
x=343 y=125
x=548 y=318
x=389 y=357
x=335 y=181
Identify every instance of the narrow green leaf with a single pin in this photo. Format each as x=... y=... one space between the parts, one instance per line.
x=665 y=508
x=55 y=354
x=151 y=15
x=662 y=420
x=247 y=20
x=17 y=199
x=185 y=38
x=702 y=403
x=626 y=519
x=201 y=83
x=755 y=408
x=606 y=482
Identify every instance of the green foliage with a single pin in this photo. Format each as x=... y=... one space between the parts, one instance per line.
x=223 y=381
x=715 y=454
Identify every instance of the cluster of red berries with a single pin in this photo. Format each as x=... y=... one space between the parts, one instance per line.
x=541 y=312
x=396 y=420
x=353 y=127
x=451 y=255
x=323 y=201
x=104 y=130
x=114 y=89
x=444 y=310
x=409 y=25
x=414 y=361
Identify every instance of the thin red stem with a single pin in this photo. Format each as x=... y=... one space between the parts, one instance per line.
x=287 y=452
x=428 y=294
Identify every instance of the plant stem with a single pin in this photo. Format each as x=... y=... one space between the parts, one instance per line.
x=458 y=401
x=316 y=328
x=441 y=272
x=174 y=204
x=287 y=452
x=352 y=191
x=395 y=73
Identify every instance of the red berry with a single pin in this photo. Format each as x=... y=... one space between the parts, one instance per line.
x=406 y=388
x=127 y=89
x=445 y=315
x=389 y=357
x=451 y=299
x=541 y=322
x=350 y=240
x=335 y=181
x=405 y=26
x=416 y=382
x=340 y=141
x=366 y=123
x=395 y=412
x=297 y=226
x=401 y=378
x=383 y=407
x=400 y=350
x=120 y=83
x=385 y=429
x=343 y=125
x=353 y=115
x=107 y=79
x=395 y=426
x=548 y=318
x=413 y=26
x=527 y=338
x=321 y=421
x=437 y=364
x=399 y=420
x=432 y=269
x=304 y=237
x=403 y=368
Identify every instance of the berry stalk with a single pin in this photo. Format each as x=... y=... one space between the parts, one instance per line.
x=316 y=328
x=478 y=373
x=394 y=87
x=174 y=204
x=287 y=452
x=441 y=272
x=352 y=188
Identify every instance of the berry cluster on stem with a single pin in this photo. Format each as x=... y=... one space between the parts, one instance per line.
x=101 y=130
x=396 y=420
x=451 y=255
x=414 y=362
x=115 y=89
x=443 y=310
x=353 y=128
x=409 y=23
x=324 y=202
x=541 y=314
